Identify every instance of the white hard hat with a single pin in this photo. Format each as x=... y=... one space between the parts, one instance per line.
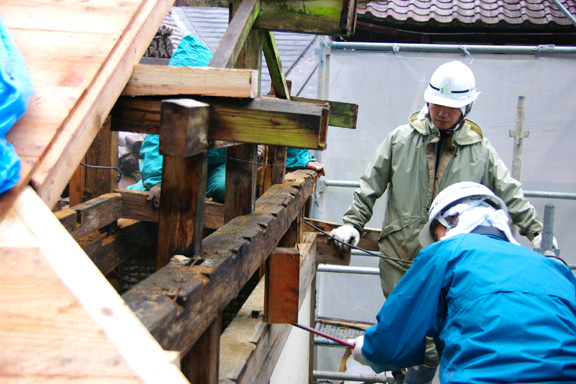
x=452 y=85
x=451 y=195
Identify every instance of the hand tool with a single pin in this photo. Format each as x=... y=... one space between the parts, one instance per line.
x=320 y=333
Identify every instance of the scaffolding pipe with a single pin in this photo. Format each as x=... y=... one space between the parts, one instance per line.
x=540 y=194
x=453 y=48
x=565 y=11
x=352 y=377
x=345 y=269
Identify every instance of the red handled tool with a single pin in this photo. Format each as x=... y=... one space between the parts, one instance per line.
x=320 y=333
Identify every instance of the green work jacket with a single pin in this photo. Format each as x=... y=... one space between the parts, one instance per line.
x=405 y=166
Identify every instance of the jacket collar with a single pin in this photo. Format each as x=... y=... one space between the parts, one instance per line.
x=470 y=133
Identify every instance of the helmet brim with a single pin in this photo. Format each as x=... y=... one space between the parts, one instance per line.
x=433 y=97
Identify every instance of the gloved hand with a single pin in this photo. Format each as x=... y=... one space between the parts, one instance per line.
x=537 y=242
x=357 y=352
x=155 y=195
x=346 y=233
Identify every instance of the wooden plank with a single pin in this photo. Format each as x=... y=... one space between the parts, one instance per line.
x=85 y=218
x=272 y=55
x=236 y=35
x=329 y=17
x=61 y=321
x=249 y=347
x=343 y=115
x=181 y=207
x=183 y=127
x=265 y=120
x=152 y=80
x=79 y=16
x=186 y=300
x=282 y=286
x=78 y=131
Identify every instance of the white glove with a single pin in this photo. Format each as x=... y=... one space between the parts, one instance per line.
x=357 y=352
x=537 y=242
x=346 y=233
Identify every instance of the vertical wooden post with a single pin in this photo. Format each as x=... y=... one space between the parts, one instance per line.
x=282 y=286
x=180 y=221
x=240 y=197
x=103 y=152
x=77 y=185
x=241 y=178
x=201 y=364
x=183 y=128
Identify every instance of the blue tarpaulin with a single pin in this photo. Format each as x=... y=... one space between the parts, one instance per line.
x=15 y=93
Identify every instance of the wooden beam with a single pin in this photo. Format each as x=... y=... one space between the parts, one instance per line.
x=343 y=115
x=235 y=36
x=104 y=153
x=240 y=193
x=265 y=120
x=201 y=364
x=183 y=127
x=181 y=207
x=272 y=55
x=85 y=218
x=282 y=286
x=330 y=17
x=155 y=80
x=250 y=348
x=136 y=206
x=132 y=239
x=81 y=125
x=186 y=300
x=54 y=301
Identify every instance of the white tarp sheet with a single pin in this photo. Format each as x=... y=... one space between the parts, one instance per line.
x=389 y=86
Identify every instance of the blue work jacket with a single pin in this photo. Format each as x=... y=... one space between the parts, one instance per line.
x=499 y=312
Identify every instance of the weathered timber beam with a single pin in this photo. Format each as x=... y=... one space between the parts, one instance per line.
x=92 y=215
x=131 y=239
x=328 y=253
x=183 y=127
x=343 y=115
x=330 y=17
x=264 y=120
x=235 y=36
x=250 y=348
x=275 y=66
x=177 y=304
x=282 y=286
x=153 y=80
x=181 y=206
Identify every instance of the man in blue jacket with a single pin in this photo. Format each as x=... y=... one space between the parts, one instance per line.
x=502 y=313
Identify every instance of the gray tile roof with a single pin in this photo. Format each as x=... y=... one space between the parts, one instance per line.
x=296 y=50
x=469 y=11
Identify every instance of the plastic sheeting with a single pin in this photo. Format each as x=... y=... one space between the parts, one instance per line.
x=15 y=93
x=389 y=86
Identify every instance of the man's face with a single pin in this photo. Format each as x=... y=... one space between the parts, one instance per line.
x=439 y=232
x=444 y=117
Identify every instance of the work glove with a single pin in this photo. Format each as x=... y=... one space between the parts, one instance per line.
x=347 y=234
x=357 y=352
x=537 y=242
x=154 y=195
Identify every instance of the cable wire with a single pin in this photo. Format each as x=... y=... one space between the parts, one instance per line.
x=355 y=247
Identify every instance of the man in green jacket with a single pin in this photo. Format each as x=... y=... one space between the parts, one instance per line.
x=437 y=148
